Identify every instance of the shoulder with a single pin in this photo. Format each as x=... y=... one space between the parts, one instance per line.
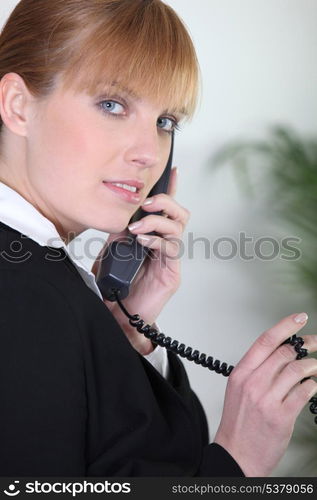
x=35 y=276
x=19 y=252
x=41 y=288
x=34 y=312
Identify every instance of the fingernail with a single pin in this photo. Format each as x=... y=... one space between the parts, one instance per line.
x=134 y=226
x=148 y=201
x=143 y=237
x=301 y=318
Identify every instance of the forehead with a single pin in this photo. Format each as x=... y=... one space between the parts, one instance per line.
x=143 y=48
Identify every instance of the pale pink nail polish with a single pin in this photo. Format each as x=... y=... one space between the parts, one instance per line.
x=148 y=201
x=301 y=318
x=134 y=226
x=143 y=237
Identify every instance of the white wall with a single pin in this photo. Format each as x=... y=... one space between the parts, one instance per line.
x=258 y=61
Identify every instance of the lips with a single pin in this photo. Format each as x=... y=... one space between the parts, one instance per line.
x=125 y=194
x=128 y=182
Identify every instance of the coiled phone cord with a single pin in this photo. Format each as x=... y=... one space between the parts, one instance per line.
x=201 y=359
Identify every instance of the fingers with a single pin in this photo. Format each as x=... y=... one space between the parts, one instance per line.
x=169 y=245
x=310 y=343
x=269 y=341
x=157 y=223
x=298 y=398
x=170 y=207
x=166 y=247
x=266 y=374
x=292 y=374
x=171 y=226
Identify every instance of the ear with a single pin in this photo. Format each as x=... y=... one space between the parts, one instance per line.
x=14 y=98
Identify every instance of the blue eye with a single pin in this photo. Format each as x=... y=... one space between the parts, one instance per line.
x=167 y=124
x=112 y=107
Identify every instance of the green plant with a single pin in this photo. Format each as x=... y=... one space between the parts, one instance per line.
x=288 y=180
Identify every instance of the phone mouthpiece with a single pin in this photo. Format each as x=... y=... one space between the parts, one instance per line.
x=119 y=265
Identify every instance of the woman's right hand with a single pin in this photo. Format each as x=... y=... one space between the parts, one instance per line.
x=264 y=396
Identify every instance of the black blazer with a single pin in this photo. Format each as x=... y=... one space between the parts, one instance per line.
x=76 y=398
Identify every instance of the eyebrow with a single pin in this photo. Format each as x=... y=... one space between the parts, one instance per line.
x=117 y=86
x=182 y=113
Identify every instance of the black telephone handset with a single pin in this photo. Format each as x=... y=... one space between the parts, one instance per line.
x=124 y=258
x=118 y=270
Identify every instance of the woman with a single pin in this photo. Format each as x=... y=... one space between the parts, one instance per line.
x=90 y=94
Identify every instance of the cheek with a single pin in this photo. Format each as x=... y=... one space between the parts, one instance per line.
x=65 y=148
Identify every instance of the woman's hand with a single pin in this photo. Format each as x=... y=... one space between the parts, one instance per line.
x=159 y=276
x=264 y=397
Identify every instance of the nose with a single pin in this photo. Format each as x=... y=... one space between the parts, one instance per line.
x=144 y=147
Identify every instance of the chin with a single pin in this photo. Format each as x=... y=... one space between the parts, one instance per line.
x=110 y=227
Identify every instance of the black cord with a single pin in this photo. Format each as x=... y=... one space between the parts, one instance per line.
x=173 y=345
x=201 y=359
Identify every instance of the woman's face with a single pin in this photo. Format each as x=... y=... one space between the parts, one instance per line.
x=77 y=145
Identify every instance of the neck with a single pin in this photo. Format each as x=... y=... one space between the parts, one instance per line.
x=13 y=173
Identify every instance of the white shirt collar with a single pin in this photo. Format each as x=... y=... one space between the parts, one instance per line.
x=18 y=213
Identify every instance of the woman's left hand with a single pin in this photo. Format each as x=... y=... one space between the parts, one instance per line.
x=159 y=276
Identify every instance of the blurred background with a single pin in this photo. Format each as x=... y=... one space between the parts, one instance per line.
x=258 y=64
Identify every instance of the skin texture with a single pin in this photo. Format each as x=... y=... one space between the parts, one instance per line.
x=56 y=152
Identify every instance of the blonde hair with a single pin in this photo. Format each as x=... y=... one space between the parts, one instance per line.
x=139 y=44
